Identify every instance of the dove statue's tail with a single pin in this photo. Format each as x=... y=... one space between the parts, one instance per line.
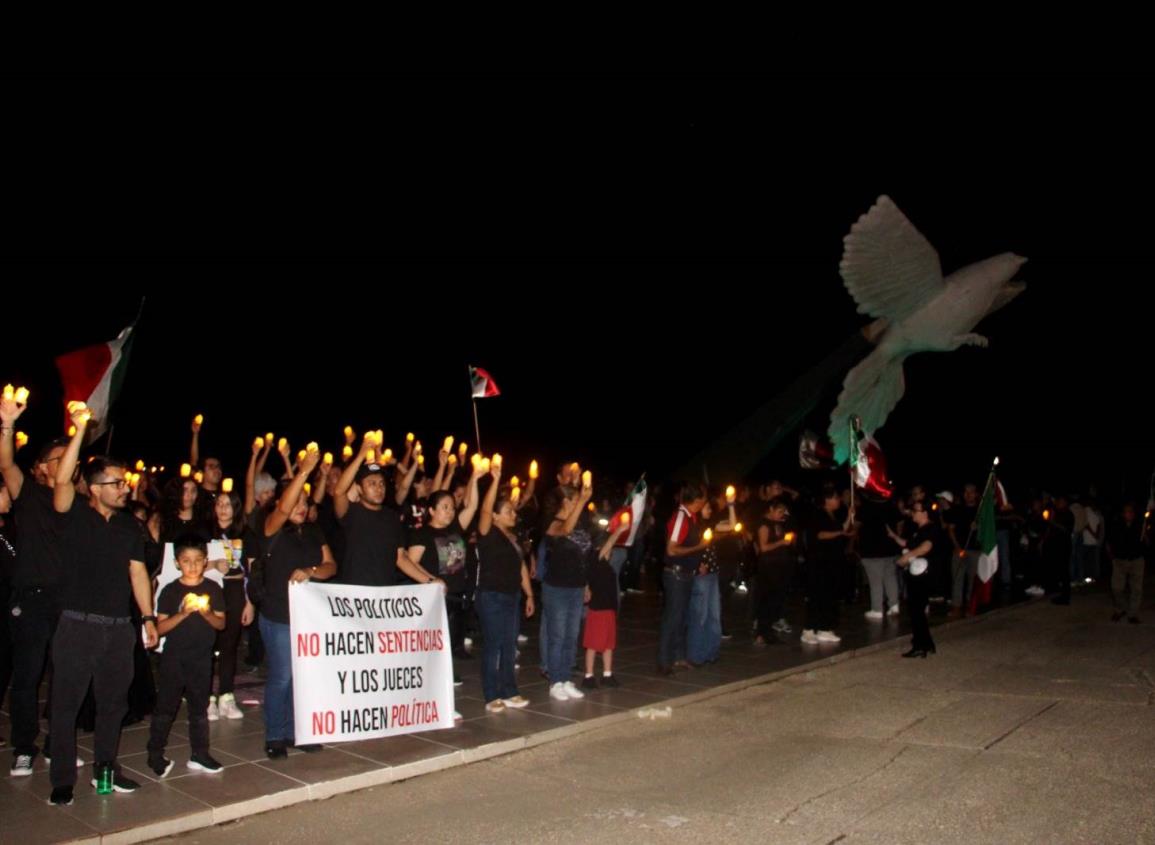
x=870 y=391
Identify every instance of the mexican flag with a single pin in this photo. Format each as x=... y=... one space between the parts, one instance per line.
x=635 y=506
x=483 y=384
x=94 y=375
x=988 y=539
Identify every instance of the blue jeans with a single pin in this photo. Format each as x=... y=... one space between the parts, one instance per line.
x=672 y=645
x=704 y=631
x=497 y=613
x=563 y=606
x=279 y=681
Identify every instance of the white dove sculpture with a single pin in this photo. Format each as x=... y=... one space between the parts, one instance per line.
x=893 y=273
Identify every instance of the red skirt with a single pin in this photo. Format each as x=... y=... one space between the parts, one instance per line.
x=601 y=630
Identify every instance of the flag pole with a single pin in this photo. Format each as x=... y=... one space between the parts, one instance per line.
x=476 y=425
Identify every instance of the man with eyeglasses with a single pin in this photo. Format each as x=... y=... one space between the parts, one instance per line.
x=34 y=608
x=103 y=570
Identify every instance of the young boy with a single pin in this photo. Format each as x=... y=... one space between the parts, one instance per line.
x=601 y=631
x=189 y=613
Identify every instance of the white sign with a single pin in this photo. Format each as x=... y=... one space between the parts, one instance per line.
x=369 y=661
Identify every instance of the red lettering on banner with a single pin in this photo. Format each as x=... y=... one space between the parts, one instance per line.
x=324 y=723
x=308 y=645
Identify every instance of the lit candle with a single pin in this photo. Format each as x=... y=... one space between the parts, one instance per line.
x=283 y=445
x=327 y=460
x=227 y=485
x=587 y=479
x=347 y=453
x=624 y=522
x=269 y=438
x=1046 y=514
x=350 y=435
x=484 y=466
x=9 y=393
x=371 y=456
x=300 y=456
x=532 y=470
x=515 y=495
x=475 y=459
x=447 y=446
x=409 y=438
x=421 y=461
x=575 y=471
x=737 y=528
x=496 y=460
x=515 y=482
x=71 y=431
x=452 y=460
x=22 y=396
x=308 y=489
x=731 y=494
x=199 y=420
x=312 y=446
x=198 y=476
x=185 y=470
x=590 y=507
x=21 y=440
x=462 y=448
x=387 y=456
x=789 y=537
x=417 y=448
x=707 y=535
x=139 y=466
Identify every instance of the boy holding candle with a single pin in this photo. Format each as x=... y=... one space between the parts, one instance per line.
x=189 y=613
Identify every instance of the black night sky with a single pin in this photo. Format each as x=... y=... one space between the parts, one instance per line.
x=639 y=262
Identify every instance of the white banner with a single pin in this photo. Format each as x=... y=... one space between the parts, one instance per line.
x=369 y=661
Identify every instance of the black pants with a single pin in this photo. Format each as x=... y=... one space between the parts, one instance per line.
x=770 y=589
x=821 y=594
x=86 y=653
x=917 y=588
x=5 y=639
x=230 y=638
x=192 y=675
x=31 y=630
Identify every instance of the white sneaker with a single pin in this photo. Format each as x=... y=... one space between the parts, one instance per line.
x=467 y=642
x=808 y=636
x=457 y=717
x=894 y=610
x=572 y=691
x=828 y=637
x=22 y=766
x=517 y=702
x=522 y=639
x=873 y=614
x=558 y=692
x=227 y=706
x=1034 y=590
x=214 y=711
x=495 y=706
x=781 y=626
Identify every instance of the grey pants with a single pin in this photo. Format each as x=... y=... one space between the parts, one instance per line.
x=883 y=578
x=1122 y=570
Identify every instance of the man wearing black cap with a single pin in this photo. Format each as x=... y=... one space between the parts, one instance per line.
x=374 y=540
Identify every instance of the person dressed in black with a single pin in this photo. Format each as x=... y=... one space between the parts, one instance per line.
x=829 y=533
x=104 y=570
x=33 y=609
x=190 y=613
x=373 y=534
x=926 y=545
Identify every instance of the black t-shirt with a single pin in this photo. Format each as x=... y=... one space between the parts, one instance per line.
x=173 y=530
x=499 y=562
x=331 y=527
x=443 y=555
x=293 y=547
x=1126 y=540
x=962 y=517
x=769 y=562
x=39 y=562
x=603 y=586
x=194 y=635
x=96 y=555
x=238 y=551
x=939 y=546
x=832 y=550
x=568 y=559
x=372 y=539
x=873 y=541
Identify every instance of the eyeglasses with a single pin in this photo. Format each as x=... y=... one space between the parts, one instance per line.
x=120 y=482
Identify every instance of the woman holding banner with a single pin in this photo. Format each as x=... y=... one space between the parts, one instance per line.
x=296 y=552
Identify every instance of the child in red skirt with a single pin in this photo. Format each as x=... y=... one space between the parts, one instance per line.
x=601 y=633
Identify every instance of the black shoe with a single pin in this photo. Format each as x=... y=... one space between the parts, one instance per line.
x=1117 y=615
x=915 y=652
x=160 y=766
x=309 y=748
x=590 y=683
x=610 y=681
x=120 y=783
x=457 y=681
x=204 y=763
x=61 y=796
x=1134 y=620
x=665 y=671
x=463 y=655
x=276 y=750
